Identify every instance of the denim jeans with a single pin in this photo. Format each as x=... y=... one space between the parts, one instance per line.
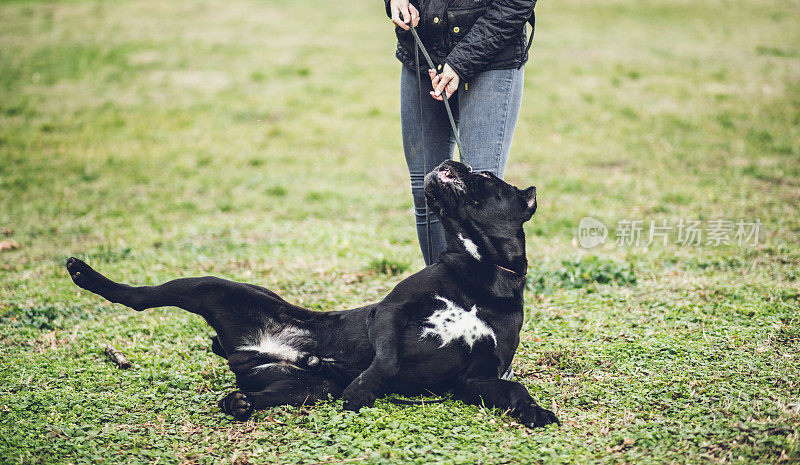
x=485 y=112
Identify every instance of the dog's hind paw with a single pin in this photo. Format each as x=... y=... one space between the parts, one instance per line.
x=236 y=404
x=85 y=276
x=534 y=416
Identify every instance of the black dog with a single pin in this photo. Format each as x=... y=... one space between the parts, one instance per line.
x=454 y=326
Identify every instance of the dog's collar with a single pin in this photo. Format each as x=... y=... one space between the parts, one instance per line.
x=504 y=268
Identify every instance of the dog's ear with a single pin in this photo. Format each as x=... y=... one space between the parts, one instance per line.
x=529 y=196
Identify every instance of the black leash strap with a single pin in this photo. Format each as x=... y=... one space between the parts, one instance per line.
x=427 y=169
x=427 y=56
x=421 y=46
x=424 y=158
x=397 y=401
x=532 y=22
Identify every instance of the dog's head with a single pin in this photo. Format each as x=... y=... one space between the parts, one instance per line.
x=481 y=200
x=479 y=211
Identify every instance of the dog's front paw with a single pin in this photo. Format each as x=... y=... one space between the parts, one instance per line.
x=357 y=398
x=236 y=404
x=533 y=416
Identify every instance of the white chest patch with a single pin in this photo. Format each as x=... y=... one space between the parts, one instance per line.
x=472 y=249
x=453 y=322
x=279 y=344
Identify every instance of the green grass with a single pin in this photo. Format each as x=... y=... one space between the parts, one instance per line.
x=259 y=141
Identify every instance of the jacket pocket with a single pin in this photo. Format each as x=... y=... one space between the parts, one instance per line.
x=461 y=20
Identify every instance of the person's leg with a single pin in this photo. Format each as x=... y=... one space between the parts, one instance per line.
x=421 y=158
x=488 y=110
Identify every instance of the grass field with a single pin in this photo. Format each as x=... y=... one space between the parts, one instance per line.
x=259 y=141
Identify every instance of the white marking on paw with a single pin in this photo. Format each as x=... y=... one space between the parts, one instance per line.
x=470 y=246
x=453 y=322
x=278 y=343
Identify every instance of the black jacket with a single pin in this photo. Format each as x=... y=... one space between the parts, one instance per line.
x=469 y=35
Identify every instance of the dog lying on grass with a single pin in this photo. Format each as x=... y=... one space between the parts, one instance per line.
x=452 y=327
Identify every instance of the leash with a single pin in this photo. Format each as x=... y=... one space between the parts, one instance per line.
x=422 y=144
x=398 y=401
x=439 y=400
x=421 y=46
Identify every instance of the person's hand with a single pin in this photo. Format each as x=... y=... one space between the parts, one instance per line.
x=403 y=13
x=447 y=81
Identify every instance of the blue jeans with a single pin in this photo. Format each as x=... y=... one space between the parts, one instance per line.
x=486 y=114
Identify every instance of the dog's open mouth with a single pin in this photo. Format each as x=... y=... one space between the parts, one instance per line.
x=446 y=183
x=446 y=176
